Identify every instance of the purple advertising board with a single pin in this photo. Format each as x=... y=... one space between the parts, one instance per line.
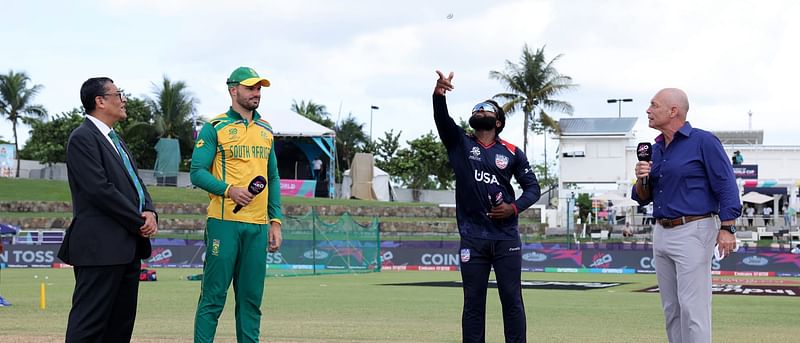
x=434 y=255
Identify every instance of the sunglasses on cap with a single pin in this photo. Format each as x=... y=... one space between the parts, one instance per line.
x=484 y=107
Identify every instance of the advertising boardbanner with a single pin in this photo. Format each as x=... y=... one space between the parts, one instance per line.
x=8 y=160
x=425 y=255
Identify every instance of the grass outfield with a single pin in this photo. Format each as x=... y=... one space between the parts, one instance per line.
x=358 y=308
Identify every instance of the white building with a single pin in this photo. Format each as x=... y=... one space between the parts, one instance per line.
x=597 y=155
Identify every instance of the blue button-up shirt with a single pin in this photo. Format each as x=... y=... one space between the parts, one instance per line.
x=692 y=176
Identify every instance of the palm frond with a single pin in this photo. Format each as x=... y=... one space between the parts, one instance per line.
x=173 y=108
x=139 y=130
x=533 y=83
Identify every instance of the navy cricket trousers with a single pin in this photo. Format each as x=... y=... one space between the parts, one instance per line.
x=478 y=256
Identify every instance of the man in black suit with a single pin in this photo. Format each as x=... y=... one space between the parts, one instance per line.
x=113 y=220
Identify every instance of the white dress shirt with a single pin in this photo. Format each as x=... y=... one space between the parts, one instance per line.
x=104 y=129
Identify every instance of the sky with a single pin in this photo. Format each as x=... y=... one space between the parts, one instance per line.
x=731 y=57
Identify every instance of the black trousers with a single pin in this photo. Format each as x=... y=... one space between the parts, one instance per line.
x=478 y=256
x=104 y=303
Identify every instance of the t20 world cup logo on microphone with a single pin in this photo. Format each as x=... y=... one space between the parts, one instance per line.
x=257 y=186
x=643 y=150
x=496 y=199
x=496 y=196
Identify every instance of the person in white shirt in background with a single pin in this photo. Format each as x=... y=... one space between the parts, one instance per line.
x=750 y=212
x=767 y=212
x=787 y=221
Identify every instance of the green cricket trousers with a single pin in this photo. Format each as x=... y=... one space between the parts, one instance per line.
x=237 y=252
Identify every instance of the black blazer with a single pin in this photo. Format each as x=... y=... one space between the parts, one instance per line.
x=105 y=205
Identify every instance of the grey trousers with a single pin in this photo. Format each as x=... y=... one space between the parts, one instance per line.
x=682 y=258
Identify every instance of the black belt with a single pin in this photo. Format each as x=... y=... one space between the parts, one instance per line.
x=670 y=223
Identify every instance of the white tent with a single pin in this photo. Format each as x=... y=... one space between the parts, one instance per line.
x=756 y=198
x=294 y=125
x=625 y=203
x=312 y=139
x=380 y=184
x=610 y=196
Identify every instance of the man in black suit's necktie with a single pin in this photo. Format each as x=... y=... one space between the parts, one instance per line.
x=113 y=219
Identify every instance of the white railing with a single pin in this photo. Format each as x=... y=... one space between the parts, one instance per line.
x=39 y=237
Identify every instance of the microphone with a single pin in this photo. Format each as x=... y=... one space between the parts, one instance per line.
x=496 y=199
x=256 y=186
x=644 y=152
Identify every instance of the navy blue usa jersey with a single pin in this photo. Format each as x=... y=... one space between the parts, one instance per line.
x=482 y=172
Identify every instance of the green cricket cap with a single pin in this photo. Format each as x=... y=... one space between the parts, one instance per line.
x=246 y=76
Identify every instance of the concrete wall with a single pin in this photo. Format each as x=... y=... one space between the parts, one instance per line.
x=432 y=196
x=36 y=170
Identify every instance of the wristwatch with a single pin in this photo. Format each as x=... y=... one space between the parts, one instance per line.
x=729 y=228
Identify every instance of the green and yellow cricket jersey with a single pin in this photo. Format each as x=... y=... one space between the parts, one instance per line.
x=230 y=152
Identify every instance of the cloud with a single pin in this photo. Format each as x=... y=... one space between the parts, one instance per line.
x=730 y=57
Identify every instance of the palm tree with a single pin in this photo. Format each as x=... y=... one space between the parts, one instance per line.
x=174 y=110
x=350 y=138
x=139 y=131
x=316 y=112
x=15 y=103
x=532 y=84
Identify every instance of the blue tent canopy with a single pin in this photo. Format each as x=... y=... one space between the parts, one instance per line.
x=298 y=142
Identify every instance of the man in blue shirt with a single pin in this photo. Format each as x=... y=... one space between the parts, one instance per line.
x=691 y=184
x=487 y=211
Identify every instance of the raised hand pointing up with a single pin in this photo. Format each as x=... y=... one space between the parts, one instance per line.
x=443 y=84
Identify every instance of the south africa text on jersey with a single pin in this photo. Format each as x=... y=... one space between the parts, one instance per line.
x=249 y=151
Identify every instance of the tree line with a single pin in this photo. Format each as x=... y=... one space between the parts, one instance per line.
x=168 y=114
x=532 y=85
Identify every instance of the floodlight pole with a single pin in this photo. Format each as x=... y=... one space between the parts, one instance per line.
x=373 y=107
x=194 y=126
x=571 y=199
x=619 y=101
